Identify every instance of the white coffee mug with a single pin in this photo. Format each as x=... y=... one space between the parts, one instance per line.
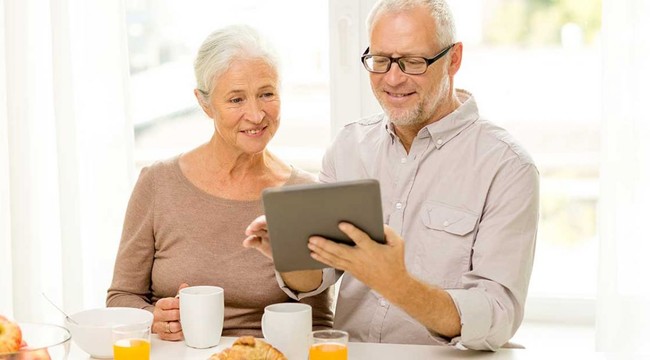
x=287 y=326
x=201 y=310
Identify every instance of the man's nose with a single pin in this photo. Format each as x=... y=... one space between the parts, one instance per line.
x=395 y=75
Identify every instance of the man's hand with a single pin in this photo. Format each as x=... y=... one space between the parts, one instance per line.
x=382 y=268
x=258 y=237
x=376 y=265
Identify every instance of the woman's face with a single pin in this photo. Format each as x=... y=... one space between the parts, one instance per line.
x=245 y=105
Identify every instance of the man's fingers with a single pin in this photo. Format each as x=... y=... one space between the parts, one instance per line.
x=329 y=252
x=359 y=237
x=322 y=245
x=324 y=260
x=392 y=238
x=322 y=255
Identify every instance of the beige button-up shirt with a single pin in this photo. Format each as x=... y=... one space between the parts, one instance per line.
x=466 y=201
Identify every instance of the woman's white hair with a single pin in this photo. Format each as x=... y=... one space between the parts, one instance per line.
x=226 y=45
x=439 y=10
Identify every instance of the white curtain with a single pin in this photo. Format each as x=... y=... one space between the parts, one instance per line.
x=623 y=316
x=65 y=152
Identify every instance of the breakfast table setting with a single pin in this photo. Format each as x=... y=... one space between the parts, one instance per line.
x=123 y=333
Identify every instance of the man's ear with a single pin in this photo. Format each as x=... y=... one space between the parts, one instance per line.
x=456 y=58
x=203 y=103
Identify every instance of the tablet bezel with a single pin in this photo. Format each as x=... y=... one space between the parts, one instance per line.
x=296 y=212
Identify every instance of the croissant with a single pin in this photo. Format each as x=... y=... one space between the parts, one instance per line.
x=249 y=348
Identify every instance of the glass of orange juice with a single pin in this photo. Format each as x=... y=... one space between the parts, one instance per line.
x=329 y=345
x=131 y=342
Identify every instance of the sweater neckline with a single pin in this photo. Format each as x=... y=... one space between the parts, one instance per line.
x=206 y=195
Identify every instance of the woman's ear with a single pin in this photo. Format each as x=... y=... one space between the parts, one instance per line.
x=203 y=103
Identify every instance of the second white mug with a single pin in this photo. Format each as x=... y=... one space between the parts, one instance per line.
x=287 y=326
x=202 y=312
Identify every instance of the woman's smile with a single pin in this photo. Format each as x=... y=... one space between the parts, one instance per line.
x=257 y=132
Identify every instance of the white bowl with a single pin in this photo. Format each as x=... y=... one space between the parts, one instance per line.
x=92 y=333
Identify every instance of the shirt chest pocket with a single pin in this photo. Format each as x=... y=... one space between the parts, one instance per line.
x=444 y=218
x=447 y=241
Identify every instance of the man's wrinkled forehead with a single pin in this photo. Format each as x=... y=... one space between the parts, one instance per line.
x=404 y=32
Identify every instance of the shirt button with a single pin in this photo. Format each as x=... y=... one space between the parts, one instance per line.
x=439 y=142
x=446 y=223
x=398 y=206
x=403 y=160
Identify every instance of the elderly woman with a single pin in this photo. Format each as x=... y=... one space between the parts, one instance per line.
x=187 y=215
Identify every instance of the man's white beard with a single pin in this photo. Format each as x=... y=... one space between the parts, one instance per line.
x=423 y=111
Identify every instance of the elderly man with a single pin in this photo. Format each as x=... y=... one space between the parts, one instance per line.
x=460 y=199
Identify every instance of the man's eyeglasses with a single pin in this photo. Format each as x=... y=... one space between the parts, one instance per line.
x=412 y=65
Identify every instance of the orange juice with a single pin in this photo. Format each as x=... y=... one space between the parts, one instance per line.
x=328 y=351
x=131 y=349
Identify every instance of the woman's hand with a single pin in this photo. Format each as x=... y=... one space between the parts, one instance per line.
x=258 y=237
x=166 y=318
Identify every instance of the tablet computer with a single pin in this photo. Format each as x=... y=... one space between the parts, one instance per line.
x=296 y=212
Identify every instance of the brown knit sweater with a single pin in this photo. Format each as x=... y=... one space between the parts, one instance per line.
x=175 y=232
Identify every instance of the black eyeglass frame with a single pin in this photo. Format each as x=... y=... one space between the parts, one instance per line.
x=399 y=63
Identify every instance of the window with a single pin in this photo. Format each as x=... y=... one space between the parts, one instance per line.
x=163 y=39
x=533 y=65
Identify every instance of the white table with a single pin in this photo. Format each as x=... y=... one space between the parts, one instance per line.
x=166 y=350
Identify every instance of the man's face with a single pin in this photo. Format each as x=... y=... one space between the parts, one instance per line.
x=409 y=99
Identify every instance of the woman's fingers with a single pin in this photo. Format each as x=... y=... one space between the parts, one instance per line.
x=168 y=330
x=260 y=244
x=257 y=227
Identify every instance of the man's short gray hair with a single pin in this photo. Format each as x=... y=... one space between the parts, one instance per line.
x=226 y=45
x=439 y=10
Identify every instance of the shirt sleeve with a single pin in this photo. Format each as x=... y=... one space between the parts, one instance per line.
x=132 y=272
x=491 y=302
x=330 y=276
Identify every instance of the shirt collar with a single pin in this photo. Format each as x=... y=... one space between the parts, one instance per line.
x=449 y=126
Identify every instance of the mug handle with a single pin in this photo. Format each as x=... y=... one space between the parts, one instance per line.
x=263 y=333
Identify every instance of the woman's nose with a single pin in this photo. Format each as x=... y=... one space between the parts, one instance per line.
x=255 y=112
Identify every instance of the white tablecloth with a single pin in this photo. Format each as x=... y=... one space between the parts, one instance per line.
x=166 y=350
